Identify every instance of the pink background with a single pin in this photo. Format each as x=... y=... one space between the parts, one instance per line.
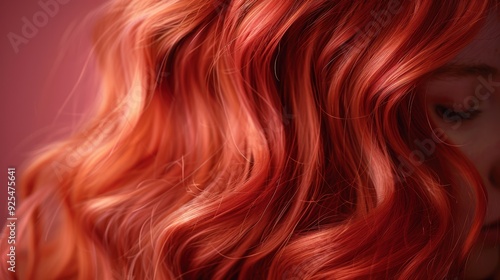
x=37 y=103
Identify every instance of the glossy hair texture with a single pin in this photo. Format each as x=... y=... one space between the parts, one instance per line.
x=256 y=139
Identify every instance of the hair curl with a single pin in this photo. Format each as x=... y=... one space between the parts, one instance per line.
x=256 y=139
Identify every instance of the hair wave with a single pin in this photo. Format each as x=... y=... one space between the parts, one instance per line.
x=255 y=139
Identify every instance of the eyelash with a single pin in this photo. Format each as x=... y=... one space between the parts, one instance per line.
x=449 y=113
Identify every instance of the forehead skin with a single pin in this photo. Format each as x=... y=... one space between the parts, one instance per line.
x=486 y=47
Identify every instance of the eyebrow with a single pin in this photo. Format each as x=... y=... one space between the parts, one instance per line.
x=463 y=70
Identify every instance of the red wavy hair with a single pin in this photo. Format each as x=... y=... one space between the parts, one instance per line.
x=256 y=139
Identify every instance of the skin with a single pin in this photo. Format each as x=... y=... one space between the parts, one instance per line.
x=467 y=107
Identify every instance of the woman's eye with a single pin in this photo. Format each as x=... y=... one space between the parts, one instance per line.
x=450 y=114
